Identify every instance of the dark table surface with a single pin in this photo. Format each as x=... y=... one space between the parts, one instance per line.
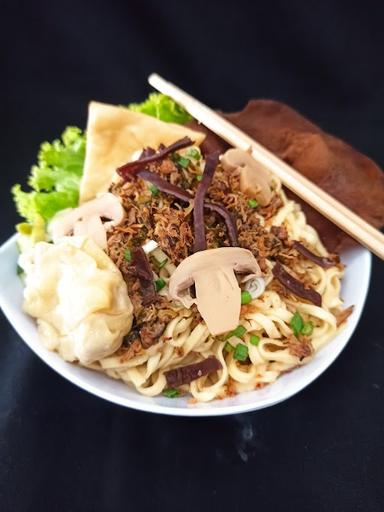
x=62 y=449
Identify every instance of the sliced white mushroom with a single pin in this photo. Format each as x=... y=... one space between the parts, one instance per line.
x=63 y=223
x=255 y=180
x=218 y=295
x=93 y=228
x=88 y=219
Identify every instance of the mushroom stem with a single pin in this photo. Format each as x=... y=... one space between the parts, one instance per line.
x=218 y=299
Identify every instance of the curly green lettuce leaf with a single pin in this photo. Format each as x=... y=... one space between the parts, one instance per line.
x=55 y=180
x=162 y=107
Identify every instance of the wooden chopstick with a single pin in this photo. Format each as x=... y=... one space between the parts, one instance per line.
x=324 y=203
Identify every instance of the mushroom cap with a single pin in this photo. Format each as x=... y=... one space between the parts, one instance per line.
x=218 y=296
x=86 y=219
x=254 y=178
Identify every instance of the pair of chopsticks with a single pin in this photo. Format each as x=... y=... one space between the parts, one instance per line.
x=327 y=205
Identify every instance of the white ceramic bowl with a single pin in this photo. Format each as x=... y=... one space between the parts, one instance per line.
x=354 y=291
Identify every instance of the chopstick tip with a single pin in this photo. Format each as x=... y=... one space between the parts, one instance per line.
x=153 y=78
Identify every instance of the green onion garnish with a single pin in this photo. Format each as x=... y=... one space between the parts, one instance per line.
x=296 y=323
x=128 y=255
x=252 y=203
x=184 y=162
x=159 y=284
x=199 y=177
x=307 y=329
x=162 y=264
x=181 y=161
x=246 y=297
x=171 y=393
x=254 y=339
x=228 y=347
x=194 y=153
x=241 y=352
x=238 y=332
x=299 y=326
x=153 y=189
x=19 y=270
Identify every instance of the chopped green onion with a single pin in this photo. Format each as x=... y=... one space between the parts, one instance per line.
x=296 y=323
x=159 y=284
x=171 y=393
x=194 y=153
x=153 y=189
x=199 y=177
x=19 y=270
x=228 y=347
x=184 y=162
x=241 y=352
x=252 y=203
x=307 y=329
x=181 y=161
x=128 y=255
x=238 y=332
x=254 y=339
x=162 y=264
x=246 y=297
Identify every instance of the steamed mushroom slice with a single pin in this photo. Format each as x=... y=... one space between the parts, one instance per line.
x=62 y=223
x=110 y=208
x=93 y=228
x=218 y=295
x=254 y=178
x=93 y=218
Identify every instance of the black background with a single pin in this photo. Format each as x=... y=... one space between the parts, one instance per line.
x=62 y=449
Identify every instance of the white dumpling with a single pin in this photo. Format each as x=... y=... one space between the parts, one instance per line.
x=78 y=297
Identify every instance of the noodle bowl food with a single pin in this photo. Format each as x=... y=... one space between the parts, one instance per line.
x=180 y=271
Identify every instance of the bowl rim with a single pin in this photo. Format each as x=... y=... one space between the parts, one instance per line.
x=200 y=410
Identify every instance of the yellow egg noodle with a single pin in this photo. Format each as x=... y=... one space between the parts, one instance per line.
x=269 y=359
